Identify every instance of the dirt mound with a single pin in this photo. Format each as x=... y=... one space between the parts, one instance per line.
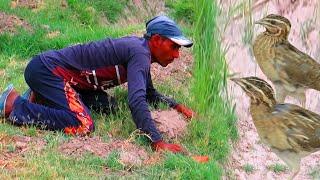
x=31 y=4
x=13 y=148
x=170 y=123
x=9 y=23
x=130 y=154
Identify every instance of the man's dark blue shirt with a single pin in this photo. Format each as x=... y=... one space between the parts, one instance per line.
x=129 y=58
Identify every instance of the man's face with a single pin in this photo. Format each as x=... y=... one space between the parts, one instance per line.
x=165 y=51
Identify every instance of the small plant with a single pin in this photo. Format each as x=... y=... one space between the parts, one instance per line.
x=31 y=131
x=182 y=9
x=11 y=147
x=278 y=168
x=85 y=13
x=113 y=161
x=248 y=168
x=315 y=172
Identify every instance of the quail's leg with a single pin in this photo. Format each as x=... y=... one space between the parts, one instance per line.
x=295 y=172
x=292 y=159
x=280 y=93
x=302 y=101
x=300 y=95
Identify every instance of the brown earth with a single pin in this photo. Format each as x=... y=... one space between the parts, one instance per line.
x=130 y=154
x=31 y=4
x=304 y=17
x=10 y=23
x=13 y=148
x=170 y=123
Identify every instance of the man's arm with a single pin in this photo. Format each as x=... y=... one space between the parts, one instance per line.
x=138 y=71
x=137 y=74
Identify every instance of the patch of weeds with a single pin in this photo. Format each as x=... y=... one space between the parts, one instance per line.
x=53 y=139
x=211 y=134
x=31 y=131
x=182 y=9
x=85 y=13
x=142 y=140
x=113 y=162
x=278 y=168
x=9 y=129
x=186 y=168
x=51 y=164
x=119 y=123
x=11 y=147
x=112 y=9
x=248 y=168
x=89 y=9
x=315 y=172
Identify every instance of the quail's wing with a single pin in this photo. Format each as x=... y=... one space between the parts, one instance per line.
x=296 y=67
x=301 y=126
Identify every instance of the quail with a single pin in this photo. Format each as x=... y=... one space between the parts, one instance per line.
x=291 y=131
x=290 y=70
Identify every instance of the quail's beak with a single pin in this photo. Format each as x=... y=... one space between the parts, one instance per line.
x=261 y=22
x=236 y=80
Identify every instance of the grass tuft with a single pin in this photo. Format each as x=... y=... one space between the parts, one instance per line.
x=278 y=168
x=248 y=168
x=217 y=119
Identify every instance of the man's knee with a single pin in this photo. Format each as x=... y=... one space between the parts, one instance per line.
x=83 y=125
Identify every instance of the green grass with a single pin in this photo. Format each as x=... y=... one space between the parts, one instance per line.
x=209 y=83
x=87 y=10
x=80 y=22
x=182 y=10
x=315 y=172
x=248 y=168
x=278 y=168
x=113 y=161
x=216 y=124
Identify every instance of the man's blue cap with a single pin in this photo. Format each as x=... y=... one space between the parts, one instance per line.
x=166 y=27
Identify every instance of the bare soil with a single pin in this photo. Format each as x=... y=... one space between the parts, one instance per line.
x=10 y=23
x=130 y=154
x=31 y=4
x=304 y=17
x=13 y=148
x=170 y=123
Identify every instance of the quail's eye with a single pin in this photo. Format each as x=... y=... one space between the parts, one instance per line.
x=273 y=22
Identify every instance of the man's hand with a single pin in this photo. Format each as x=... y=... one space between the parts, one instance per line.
x=184 y=110
x=163 y=146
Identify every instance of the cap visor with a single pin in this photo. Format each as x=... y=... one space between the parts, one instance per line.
x=182 y=41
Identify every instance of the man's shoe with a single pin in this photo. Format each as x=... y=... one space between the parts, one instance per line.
x=7 y=99
x=29 y=95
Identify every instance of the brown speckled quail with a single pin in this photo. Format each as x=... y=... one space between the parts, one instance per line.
x=290 y=70
x=291 y=131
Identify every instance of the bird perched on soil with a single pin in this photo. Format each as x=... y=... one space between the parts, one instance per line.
x=289 y=69
x=291 y=131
